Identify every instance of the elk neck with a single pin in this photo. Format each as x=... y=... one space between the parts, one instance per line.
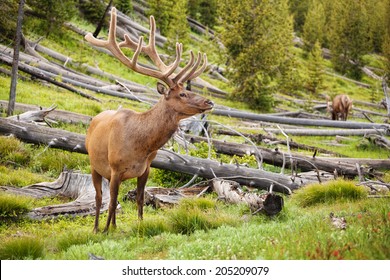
x=161 y=122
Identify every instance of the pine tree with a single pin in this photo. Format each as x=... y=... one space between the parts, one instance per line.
x=52 y=14
x=315 y=69
x=162 y=12
x=178 y=30
x=257 y=36
x=9 y=10
x=349 y=36
x=125 y=6
x=314 y=27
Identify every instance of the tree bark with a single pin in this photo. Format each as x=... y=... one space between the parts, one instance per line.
x=15 y=61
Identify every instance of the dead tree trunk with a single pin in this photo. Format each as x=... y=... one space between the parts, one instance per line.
x=305 y=163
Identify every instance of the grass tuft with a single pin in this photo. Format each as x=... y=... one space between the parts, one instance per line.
x=12 y=206
x=23 y=248
x=329 y=192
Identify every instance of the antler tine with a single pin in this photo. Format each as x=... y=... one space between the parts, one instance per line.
x=185 y=76
x=179 y=75
x=201 y=69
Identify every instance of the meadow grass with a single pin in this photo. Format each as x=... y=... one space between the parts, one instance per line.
x=329 y=192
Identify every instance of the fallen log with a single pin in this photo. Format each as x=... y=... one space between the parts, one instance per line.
x=301 y=122
x=40 y=75
x=327 y=132
x=74 y=142
x=58 y=115
x=266 y=139
x=231 y=192
x=304 y=163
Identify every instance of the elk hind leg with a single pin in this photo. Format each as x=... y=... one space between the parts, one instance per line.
x=114 y=188
x=97 y=183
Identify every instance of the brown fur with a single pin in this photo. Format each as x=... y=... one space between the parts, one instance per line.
x=122 y=144
x=340 y=107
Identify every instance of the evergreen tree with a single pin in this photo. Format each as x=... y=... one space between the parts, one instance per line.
x=125 y=6
x=9 y=9
x=179 y=29
x=204 y=11
x=314 y=27
x=315 y=69
x=349 y=36
x=162 y=12
x=299 y=9
x=258 y=37
x=51 y=13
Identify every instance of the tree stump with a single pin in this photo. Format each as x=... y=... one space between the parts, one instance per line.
x=70 y=184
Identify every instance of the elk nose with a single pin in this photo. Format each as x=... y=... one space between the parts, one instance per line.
x=209 y=102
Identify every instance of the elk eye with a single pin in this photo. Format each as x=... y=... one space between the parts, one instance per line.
x=182 y=94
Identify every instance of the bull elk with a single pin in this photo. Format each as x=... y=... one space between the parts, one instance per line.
x=121 y=144
x=340 y=107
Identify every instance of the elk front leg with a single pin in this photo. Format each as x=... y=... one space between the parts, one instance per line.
x=141 y=182
x=97 y=183
x=114 y=188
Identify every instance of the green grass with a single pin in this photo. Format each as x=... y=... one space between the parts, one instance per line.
x=329 y=192
x=12 y=206
x=22 y=248
x=296 y=233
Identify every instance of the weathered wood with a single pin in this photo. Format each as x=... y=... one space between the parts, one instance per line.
x=231 y=192
x=305 y=163
x=266 y=139
x=33 y=116
x=302 y=122
x=205 y=168
x=58 y=115
x=72 y=185
x=327 y=132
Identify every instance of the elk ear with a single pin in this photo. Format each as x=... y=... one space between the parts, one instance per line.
x=161 y=88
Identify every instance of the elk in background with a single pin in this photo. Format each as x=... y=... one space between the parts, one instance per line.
x=122 y=144
x=339 y=107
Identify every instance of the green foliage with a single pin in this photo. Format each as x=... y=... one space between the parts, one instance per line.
x=9 y=10
x=349 y=36
x=51 y=14
x=314 y=27
x=125 y=6
x=92 y=10
x=178 y=30
x=258 y=38
x=23 y=248
x=204 y=11
x=162 y=12
x=329 y=192
x=13 y=206
x=315 y=69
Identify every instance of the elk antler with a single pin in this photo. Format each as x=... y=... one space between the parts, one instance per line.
x=188 y=72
